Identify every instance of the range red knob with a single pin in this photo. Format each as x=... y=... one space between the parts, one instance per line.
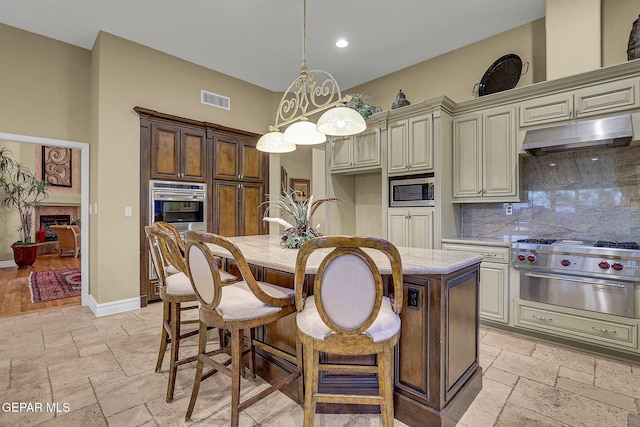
x=617 y=266
x=531 y=258
x=604 y=265
x=521 y=257
x=565 y=262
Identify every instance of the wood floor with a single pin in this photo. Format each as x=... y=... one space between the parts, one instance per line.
x=15 y=297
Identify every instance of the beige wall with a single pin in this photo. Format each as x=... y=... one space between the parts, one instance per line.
x=617 y=20
x=44 y=85
x=573 y=37
x=455 y=73
x=132 y=75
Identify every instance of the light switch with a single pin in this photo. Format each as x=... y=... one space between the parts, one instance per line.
x=128 y=211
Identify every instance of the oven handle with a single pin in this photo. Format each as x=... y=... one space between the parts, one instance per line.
x=179 y=197
x=568 y=279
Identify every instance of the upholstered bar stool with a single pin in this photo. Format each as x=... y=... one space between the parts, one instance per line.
x=348 y=315
x=175 y=289
x=247 y=304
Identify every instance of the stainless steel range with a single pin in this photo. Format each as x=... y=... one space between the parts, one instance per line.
x=597 y=276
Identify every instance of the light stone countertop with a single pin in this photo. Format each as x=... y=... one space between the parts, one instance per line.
x=266 y=251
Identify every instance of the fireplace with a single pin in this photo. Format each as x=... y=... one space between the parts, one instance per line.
x=48 y=220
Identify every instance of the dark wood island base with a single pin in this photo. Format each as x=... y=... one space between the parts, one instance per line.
x=437 y=375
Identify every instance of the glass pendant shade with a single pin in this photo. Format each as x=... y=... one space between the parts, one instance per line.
x=341 y=121
x=303 y=133
x=274 y=142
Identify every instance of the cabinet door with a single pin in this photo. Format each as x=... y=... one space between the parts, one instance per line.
x=251 y=161
x=397 y=146
x=500 y=159
x=366 y=148
x=397 y=227
x=608 y=97
x=165 y=151
x=494 y=291
x=467 y=156
x=193 y=151
x=341 y=153
x=420 y=141
x=250 y=220
x=226 y=208
x=547 y=109
x=420 y=229
x=226 y=162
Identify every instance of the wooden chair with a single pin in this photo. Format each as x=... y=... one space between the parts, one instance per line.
x=348 y=315
x=68 y=239
x=173 y=231
x=175 y=289
x=247 y=304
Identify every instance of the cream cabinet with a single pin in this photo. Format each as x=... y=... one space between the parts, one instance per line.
x=588 y=101
x=356 y=152
x=494 y=279
x=485 y=158
x=410 y=145
x=603 y=330
x=410 y=227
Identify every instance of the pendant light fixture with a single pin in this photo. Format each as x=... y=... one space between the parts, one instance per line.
x=305 y=97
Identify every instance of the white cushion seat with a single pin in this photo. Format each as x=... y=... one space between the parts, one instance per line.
x=385 y=327
x=238 y=303
x=179 y=285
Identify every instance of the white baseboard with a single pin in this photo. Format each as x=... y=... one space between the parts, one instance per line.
x=113 y=307
x=7 y=264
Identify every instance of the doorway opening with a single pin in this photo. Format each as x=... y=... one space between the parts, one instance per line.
x=83 y=148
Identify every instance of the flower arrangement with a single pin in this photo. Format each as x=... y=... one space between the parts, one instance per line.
x=301 y=211
x=360 y=103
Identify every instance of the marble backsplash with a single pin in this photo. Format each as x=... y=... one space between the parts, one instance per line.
x=593 y=194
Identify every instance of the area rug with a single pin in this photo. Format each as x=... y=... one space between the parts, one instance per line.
x=55 y=284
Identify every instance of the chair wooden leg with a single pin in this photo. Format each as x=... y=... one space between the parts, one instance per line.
x=251 y=362
x=311 y=365
x=202 y=349
x=175 y=347
x=299 y=362
x=385 y=380
x=164 y=336
x=237 y=338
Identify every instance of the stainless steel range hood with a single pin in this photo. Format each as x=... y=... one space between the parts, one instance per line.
x=610 y=132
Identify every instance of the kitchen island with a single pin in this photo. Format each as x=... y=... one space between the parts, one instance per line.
x=437 y=374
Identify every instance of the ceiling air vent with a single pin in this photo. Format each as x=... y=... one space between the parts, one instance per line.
x=215 y=100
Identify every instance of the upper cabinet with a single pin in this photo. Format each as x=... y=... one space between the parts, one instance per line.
x=356 y=152
x=589 y=101
x=236 y=158
x=410 y=145
x=177 y=152
x=485 y=158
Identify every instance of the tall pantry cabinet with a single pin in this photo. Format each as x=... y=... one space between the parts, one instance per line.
x=180 y=149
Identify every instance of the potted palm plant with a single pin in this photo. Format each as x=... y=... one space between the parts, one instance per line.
x=22 y=190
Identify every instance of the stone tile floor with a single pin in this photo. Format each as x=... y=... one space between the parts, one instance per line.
x=100 y=371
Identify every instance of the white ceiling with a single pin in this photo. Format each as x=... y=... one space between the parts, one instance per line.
x=260 y=41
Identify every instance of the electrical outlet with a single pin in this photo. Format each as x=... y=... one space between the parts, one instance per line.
x=413 y=298
x=508 y=209
x=128 y=211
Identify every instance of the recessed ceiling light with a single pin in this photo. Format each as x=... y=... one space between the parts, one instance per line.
x=342 y=43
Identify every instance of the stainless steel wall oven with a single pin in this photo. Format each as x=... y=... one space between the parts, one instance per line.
x=180 y=204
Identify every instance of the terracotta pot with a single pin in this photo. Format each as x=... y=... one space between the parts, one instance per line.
x=25 y=255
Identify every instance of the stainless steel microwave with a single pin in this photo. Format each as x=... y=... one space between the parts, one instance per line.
x=419 y=191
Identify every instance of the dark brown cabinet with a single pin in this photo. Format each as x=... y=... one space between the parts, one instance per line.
x=237 y=208
x=177 y=152
x=176 y=148
x=237 y=158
